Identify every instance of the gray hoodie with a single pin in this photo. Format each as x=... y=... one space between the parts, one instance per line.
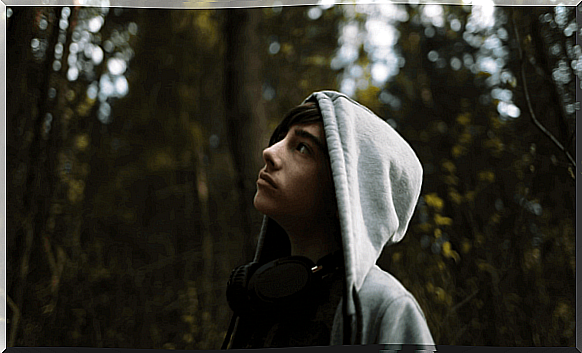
x=377 y=179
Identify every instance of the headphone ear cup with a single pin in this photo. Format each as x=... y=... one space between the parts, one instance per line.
x=283 y=287
x=236 y=289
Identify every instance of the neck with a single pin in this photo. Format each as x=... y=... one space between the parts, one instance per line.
x=313 y=241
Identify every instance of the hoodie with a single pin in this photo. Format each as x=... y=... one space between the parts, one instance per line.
x=377 y=179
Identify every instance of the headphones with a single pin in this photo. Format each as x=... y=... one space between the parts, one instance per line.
x=284 y=287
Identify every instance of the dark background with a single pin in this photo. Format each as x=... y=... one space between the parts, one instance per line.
x=134 y=139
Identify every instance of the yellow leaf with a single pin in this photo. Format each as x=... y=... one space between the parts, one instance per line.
x=449 y=166
x=396 y=257
x=466 y=247
x=57 y=208
x=429 y=287
x=536 y=254
x=464 y=119
x=479 y=239
x=188 y=338
x=562 y=310
x=495 y=123
x=448 y=252
x=447 y=249
x=83 y=109
x=287 y=48
x=434 y=201
x=465 y=138
x=486 y=175
x=495 y=145
x=75 y=192
x=425 y=227
x=206 y=316
x=160 y=160
x=189 y=319
x=81 y=142
x=495 y=218
x=455 y=196
x=72 y=196
x=470 y=196
x=68 y=114
x=438 y=233
x=442 y=221
x=369 y=96
x=458 y=151
x=205 y=24
x=49 y=308
x=450 y=180
x=315 y=60
x=197 y=133
x=485 y=266
x=70 y=95
x=440 y=294
x=455 y=255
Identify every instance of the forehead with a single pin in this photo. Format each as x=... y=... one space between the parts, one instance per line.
x=316 y=129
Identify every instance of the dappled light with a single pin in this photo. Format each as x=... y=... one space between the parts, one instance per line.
x=134 y=138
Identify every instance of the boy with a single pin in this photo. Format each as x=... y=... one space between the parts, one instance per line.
x=337 y=186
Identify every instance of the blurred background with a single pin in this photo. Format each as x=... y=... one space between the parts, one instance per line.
x=134 y=139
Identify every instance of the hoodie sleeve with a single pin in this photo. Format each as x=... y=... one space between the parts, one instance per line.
x=402 y=322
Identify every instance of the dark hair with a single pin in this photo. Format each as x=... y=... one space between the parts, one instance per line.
x=305 y=113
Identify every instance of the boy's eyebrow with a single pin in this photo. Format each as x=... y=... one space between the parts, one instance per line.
x=316 y=141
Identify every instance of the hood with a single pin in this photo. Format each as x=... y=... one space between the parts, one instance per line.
x=377 y=179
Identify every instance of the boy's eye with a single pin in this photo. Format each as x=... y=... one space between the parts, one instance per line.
x=302 y=148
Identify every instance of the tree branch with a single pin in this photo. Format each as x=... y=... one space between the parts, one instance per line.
x=528 y=100
x=15 y=319
x=456 y=307
x=29 y=236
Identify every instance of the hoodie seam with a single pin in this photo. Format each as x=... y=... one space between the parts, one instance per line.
x=341 y=95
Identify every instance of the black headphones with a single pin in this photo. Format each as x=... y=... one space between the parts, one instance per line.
x=283 y=287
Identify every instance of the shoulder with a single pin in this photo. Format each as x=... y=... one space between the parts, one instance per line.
x=381 y=286
x=393 y=310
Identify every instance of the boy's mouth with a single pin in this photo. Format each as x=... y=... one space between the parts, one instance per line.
x=267 y=178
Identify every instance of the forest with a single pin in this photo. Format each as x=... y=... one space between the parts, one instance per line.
x=134 y=139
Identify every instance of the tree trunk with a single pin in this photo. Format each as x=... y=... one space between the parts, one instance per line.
x=245 y=118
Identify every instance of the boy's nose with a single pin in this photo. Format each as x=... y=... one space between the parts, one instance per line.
x=271 y=158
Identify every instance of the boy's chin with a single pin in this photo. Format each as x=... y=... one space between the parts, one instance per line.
x=265 y=206
x=260 y=204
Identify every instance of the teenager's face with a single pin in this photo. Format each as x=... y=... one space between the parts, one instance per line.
x=296 y=184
